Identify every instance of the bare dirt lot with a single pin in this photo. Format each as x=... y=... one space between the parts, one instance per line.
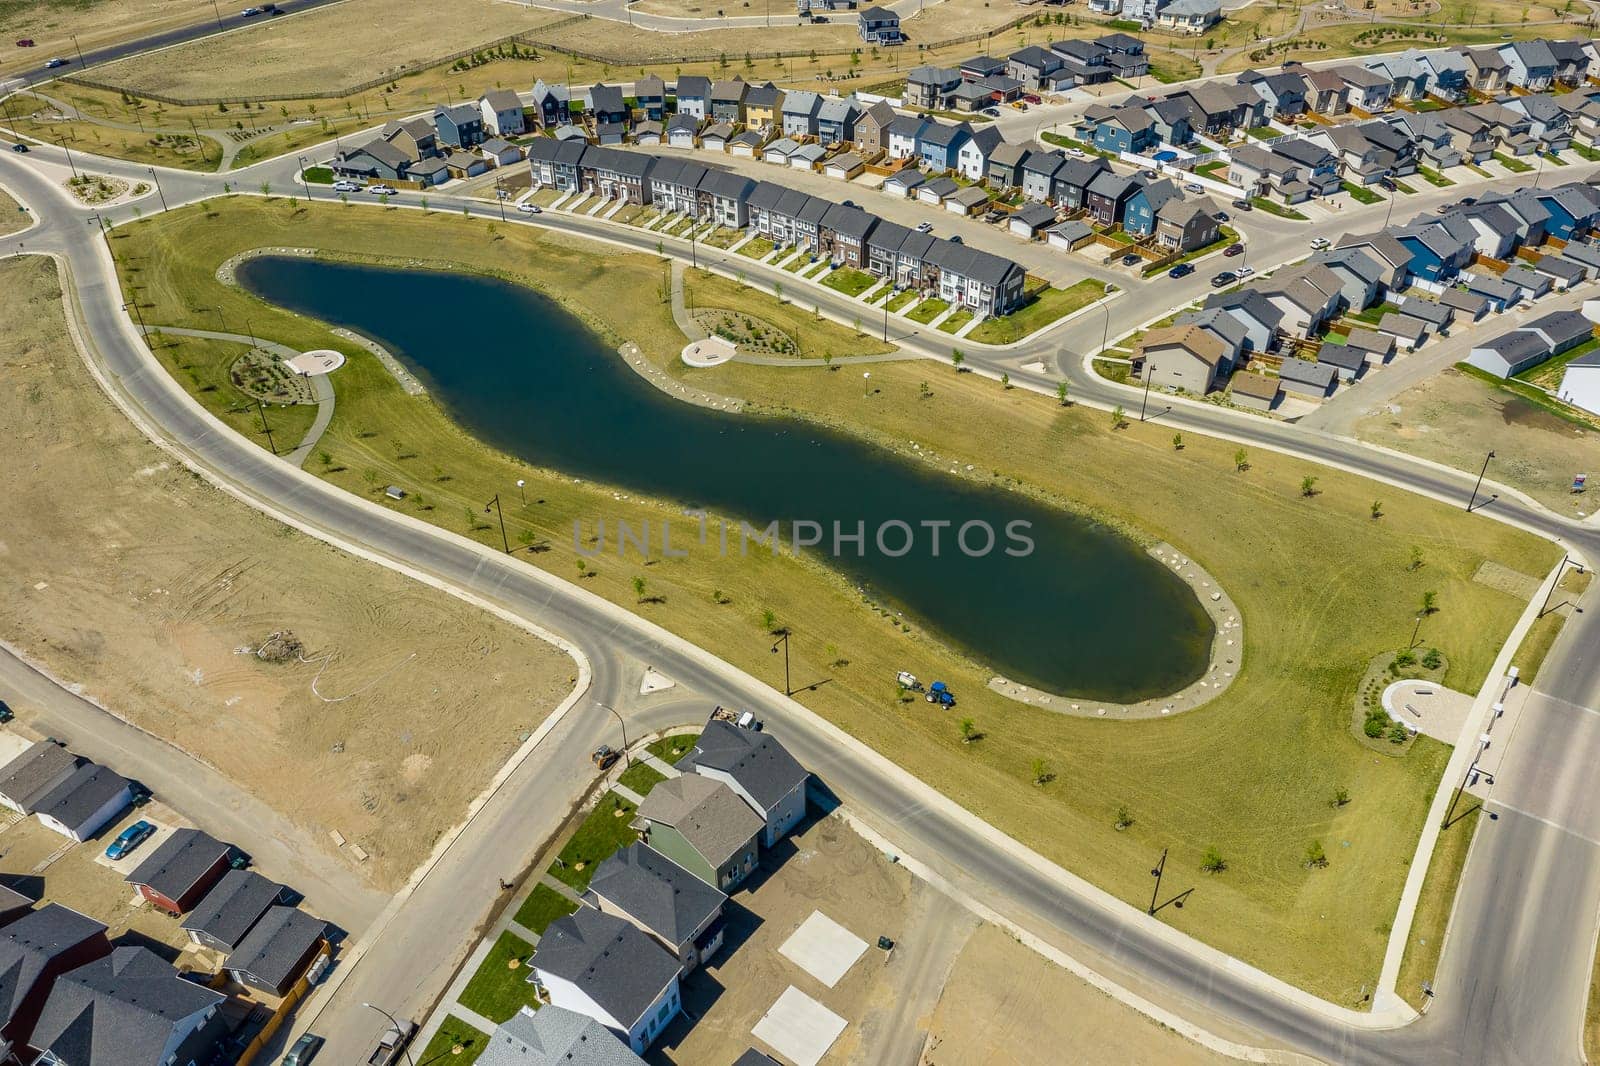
x=50 y=24
x=311 y=53
x=1455 y=419
x=1006 y=1004
x=386 y=712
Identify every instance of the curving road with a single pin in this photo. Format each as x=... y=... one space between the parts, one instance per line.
x=1514 y=976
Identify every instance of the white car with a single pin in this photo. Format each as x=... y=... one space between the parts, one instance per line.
x=346 y=186
x=924 y=227
x=1245 y=271
x=1078 y=152
x=381 y=190
x=1319 y=243
x=1193 y=187
x=530 y=209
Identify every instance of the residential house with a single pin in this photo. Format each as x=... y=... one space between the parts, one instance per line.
x=501 y=110
x=980 y=67
x=1436 y=316
x=1348 y=362
x=972 y=157
x=693 y=96
x=905 y=136
x=181 y=871
x=931 y=87
x=231 y=909
x=1033 y=66
x=434 y=170
x=1467 y=305
x=1501 y=295
x=1530 y=64
x=1125 y=128
x=1326 y=92
x=703 y=826
x=502 y=153
x=1068 y=236
x=1214 y=111
x=1189 y=16
x=551 y=105
x=1573 y=210
x=901 y=254
x=128 y=1008
x=935 y=191
x=1257 y=392
x=1304 y=378
x=1172 y=118
x=1069 y=185
x=606 y=968
x=35 y=950
x=1392 y=257
x=1510 y=353
x=872 y=128
x=1583 y=114
x=1185 y=225
x=1126 y=61
x=969 y=278
x=1259 y=316
x=609 y=112
x=1585 y=253
x=1436 y=254
x=557 y=164
x=1548 y=122
x=1005 y=164
x=674 y=186
x=805 y=157
x=1527 y=211
x=1084 y=62
x=1534 y=285
x=1107 y=196
x=617 y=175
x=650 y=97
x=1284 y=92
x=1405 y=72
x=1360 y=276
x=763 y=106
x=1448 y=75
x=836 y=119
x=1512 y=129
x=1187 y=357
x=727 y=100
x=842 y=235
x=1038 y=174
x=1435 y=142
x=415 y=138
x=939 y=144
x=374 y=161
x=555 y=1036
x=800 y=110
x=1149 y=197
x=34 y=774
x=642 y=886
x=1471 y=135
x=459 y=126
x=84 y=803
x=1563 y=273
x=278 y=950
x=1408 y=332
x=1573 y=62
x=1308 y=296
x=724 y=197
x=879 y=25
x=1487 y=70
x=1580 y=383
x=465 y=165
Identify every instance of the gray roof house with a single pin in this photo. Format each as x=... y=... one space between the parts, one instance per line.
x=1532 y=283
x=1349 y=362
x=1409 y=331
x=1378 y=345
x=702 y=826
x=1562 y=330
x=36 y=949
x=648 y=889
x=604 y=967
x=1305 y=378
x=128 y=1009
x=555 y=1036
x=1437 y=316
x=277 y=950
x=758 y=768
x=82 y=804
x=232 y=908
x=1510 y=353
x=178 y=873
x=30 y=776
x=1564 y=272
x=1464 y=303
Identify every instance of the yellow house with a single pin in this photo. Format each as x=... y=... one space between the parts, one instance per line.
x=763 y=105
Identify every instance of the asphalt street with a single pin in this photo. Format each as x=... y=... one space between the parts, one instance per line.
x=424 y=933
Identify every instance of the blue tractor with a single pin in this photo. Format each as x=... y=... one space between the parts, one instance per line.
x=940 y=694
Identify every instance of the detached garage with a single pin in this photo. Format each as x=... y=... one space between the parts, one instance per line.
x=82 y=804
x=1580 y=382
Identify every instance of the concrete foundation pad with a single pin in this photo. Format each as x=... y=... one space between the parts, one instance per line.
x=799 y=1028
x=321 y=361
x=713 y=351
x=823 y=948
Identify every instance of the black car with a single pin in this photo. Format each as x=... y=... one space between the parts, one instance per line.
x=1130 y=260
x=1221 y=216
x=19 y=147
x=1182 y=270
x=1224 y=279
x=5 y=712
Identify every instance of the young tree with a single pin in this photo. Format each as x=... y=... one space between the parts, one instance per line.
x=266 y=188
x=1341 y=796
x=1430 y=602
x=1308 y=486
x=471 y=515
x=1124 y=816
x=1316 y=858
x=1212 y=861
x=1416 y=558
x=1119 y=417
x=1241 y=460
x=324 y=458
x=1061 y=392
x=1041 y=772
x=1377 y=510
x=639 y=587
x=1005 y=380
x=969 y=731
x=1177 y=442
x=769 y=620
x=583 y=568
x=957 y=358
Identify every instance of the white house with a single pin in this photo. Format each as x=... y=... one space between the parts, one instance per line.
x=1580 y=382
x=502 y=113
x=609 y=970
x=80 y=806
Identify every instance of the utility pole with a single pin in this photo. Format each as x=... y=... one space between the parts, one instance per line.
x=1544 y=608
x=261 y=408
x=159 y=193
x=1479 y=482
x=75 y=48
x=495 y=503
x=218 y=12
x=499 y=195
x=1145 y=402
x=784 y=640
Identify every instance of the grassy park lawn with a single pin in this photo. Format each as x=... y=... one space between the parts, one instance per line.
x=928 y=310
x=543 y=906
x=817 y=337
x=497 y=990
x=1046 y=306
x=641 y=777
x=1438 y=898
x=604 y=831
x=1361 y=194
x=202 y=364
x=850 y=281
x=1313 y=619
x=670 y=749
x=12 y=216
x=453 y=1033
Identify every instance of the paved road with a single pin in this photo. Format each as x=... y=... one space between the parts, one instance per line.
x=426 y=932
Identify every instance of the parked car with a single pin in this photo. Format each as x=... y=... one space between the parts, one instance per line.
x=19 y=147
x=992 y=112
x=1245 y=271
x=129 y=839
x=6 y=713
x=819 y=19
x=1182 y=270
x=346 y=186
x=56 y=62
x=26 y=42
x=1387 y=185
x=1131 y=260
x=1078 y=152
x=1233 y=249
x=1243 y=205
x=1220 y=216
x=1319 y=243
x=1224 y=279
x=381 y=190
x=530 y=209
x=605 y=756
x=304 y=1050
x=924 y=227
x=1193 y=186
x=1033 y=98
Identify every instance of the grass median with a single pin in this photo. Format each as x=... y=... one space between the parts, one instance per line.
x=1323 y=587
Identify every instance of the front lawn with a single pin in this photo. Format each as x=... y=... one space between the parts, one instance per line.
x=956 y=321
x=1511 y=163
x=1206 y=170
x=1046 y=306
x=1402 y=187
x=498 y=990
x=1262 y=133
x=1282 y=211
x=928 y=310
x=850 y=281
x=317 y=175
x=904 y=297
x=757 y=248
x=603 y=832
x=670 y=749
x=543 y=906
x=1361 y=194
x=1434 y=178
x=640 y=778
x=455 y=1033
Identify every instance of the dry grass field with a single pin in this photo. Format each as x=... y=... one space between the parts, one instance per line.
x=97 y=23
x=323 y=50
x=12 y=216
x=126 y=573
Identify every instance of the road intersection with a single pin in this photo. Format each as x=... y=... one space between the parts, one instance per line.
x=1530 y=891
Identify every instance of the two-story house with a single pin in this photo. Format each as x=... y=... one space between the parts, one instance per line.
x=459 y=126
x=606 y=968
x=502 y=113
x=879 y=25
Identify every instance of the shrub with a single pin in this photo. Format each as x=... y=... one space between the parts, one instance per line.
x=1374 y=728
x=1432 y=660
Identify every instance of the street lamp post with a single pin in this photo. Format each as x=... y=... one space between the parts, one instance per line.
x=1156 y=873
x=1145 y=402
x=784 y=640
x=1544 y=608
x=886 y=320
x=265 y=428
x=500 y=198
x=521 y=491
x=137 y=313
x=399 y=1031
x=495 y=503
x=304 y=185
x=623 y=726
x=157 y=180
x=1479 y=483
x=866 y=379
x=75 y=48
x=1483 y=746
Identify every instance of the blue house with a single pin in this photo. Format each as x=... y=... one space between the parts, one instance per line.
x=940 y=145
x=1119 y=129
x=1139 y=213
x=460 y=126
x=1571 y=212
x=552 y=103
x=1435 y=255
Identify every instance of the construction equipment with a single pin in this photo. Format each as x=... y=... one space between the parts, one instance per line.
x=938 y=693
x=604 y=756
x=908 y=681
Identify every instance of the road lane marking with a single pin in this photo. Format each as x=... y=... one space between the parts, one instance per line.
x=1546 y=821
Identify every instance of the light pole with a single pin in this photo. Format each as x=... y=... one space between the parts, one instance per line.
x=500 y=197
x=222 y=324
x=265 y=428
x=305 y=185
x=398 y=1030
x=1145 y=402
x=495 y=503
x=784 y=640
x=1479 y=482
x=134 y=304
x=1156 y=873
x=218 y=12
x=521 y=491
x=1560 y=570
x=75 y=48
x=886 y=316
x=1483 y=746
x=159 y=193
x=623 y=726
x=1538 y=174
